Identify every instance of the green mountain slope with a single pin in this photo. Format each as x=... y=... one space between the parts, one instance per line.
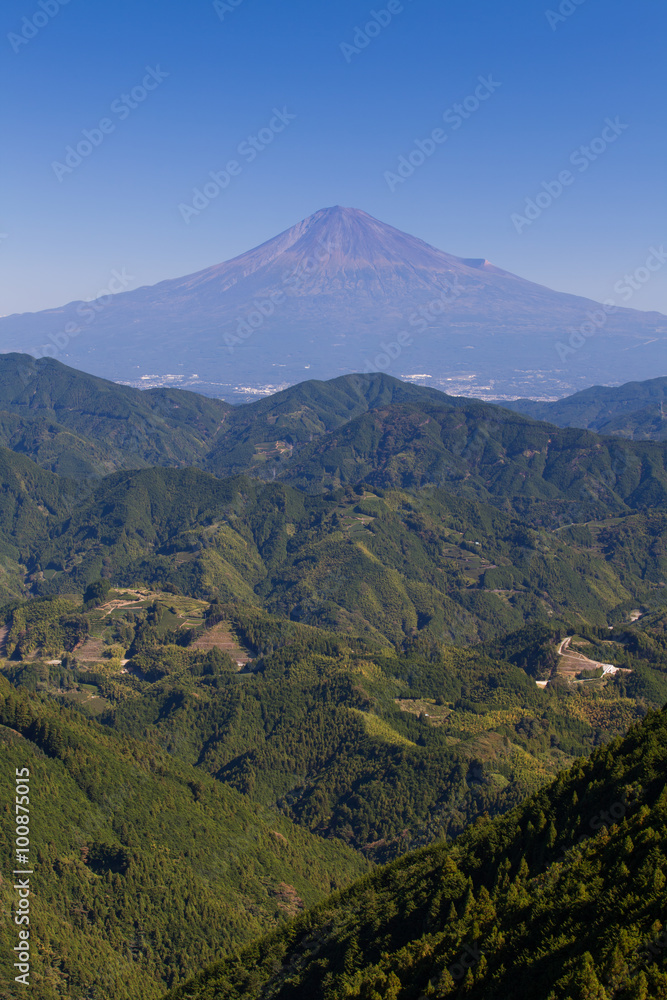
x=481 y=451
x=31 y=501
x=80 y=425
x=562 y=899
x=264 y=437
x=383 y=748
x=368 y=561
x=633 y=410
x=132 y=851
x=319 y=435
x=339 y=638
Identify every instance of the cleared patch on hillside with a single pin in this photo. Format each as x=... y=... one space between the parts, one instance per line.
x=221 y=637
x=91 y=650
x=435 y=714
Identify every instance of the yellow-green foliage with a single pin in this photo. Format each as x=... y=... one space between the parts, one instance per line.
x=378 y=729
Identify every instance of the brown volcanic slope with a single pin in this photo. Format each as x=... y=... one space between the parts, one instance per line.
x=332 y=295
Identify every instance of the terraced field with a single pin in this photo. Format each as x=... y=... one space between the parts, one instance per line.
x=222 y=637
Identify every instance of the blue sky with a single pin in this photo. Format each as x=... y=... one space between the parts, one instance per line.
x=220 y=70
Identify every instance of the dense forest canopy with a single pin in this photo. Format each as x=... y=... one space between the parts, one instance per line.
x=357 y=630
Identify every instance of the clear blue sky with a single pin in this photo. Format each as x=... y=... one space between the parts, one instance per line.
x=356 y=113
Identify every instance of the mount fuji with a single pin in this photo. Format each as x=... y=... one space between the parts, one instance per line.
x=342 y=292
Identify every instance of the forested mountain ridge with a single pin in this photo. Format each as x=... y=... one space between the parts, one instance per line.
x=634 y=411
x=82 y=426
x=320 y=435
x=31 y=500
x=235 y=538
x=480 y=451
x=364 y=561
x=562 y=899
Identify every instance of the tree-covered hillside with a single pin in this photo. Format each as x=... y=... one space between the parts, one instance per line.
x=480 y=451
x=634 y=410
x=365 y=561
x=562 y=899
x=31 y=500
x=192 y=755
x=82 y=426
x=144 y=866
x=384 y=747
x=319 y=435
